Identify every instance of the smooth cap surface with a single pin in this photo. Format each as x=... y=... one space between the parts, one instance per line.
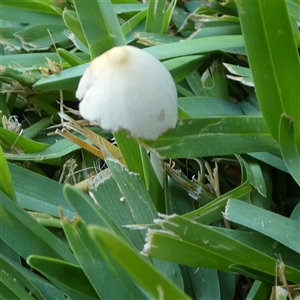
x=128 y=88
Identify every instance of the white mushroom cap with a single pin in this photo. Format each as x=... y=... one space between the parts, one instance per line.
x=128 y=88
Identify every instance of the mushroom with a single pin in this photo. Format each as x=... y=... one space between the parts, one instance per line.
x=128 y=89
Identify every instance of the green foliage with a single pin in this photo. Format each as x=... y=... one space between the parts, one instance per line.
x=215 y=197
x=223 y=249
x=275 y=78
x=99 y=15
x=6 y=183
x=279 y=228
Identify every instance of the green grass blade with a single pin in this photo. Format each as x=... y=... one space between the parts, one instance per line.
x=100 y=25
x=57 y=150
x=130 y=6
x=168 y=16
x=71 y=20
x=138 y=161
x=202 y=283
x=152 y=183
x=180 y=67
x=153 y=39
x=213 y=211
x=111 y=282
x=153 y=283
x=6 y=183
x=214 y=81
x=281 y=229
x=30 y=60
x=288 y=144
x=270 y=159
x=69 y=57
x=197 y=46
x=8 y=74
x=15 y=140
x=16 y=274
x=70 y=78
x=241 y=74
x=217 y=248
x=38 y=193
x=33 y=130
x=132 y=186
x=273 y=58
x=130 y=150
x=198 y=137
x=132 y=154
x=130 y=25
x=109 y=197
x=35 y=12
x=255 y=176
x=59 y=271
x=33 y=5
x=17 y=228
x=155 y=16
x=35 y=285
x=41 y=37
x=86 y=208
x=259 y=290
x=66 y=79
x=199 y=107
x=10 y=289
x=177 y=199
x=141 y=208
